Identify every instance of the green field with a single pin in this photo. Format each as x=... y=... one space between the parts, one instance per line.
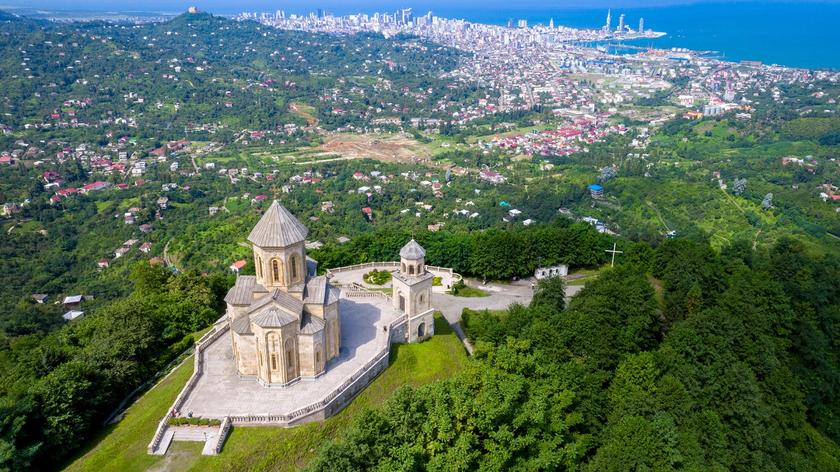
x=122 y=447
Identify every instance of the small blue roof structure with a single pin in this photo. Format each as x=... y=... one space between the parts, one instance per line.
x=595 y=187
x=504 y=203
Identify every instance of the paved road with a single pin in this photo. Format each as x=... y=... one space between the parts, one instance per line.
x=501 y=297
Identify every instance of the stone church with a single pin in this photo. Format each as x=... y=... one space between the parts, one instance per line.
x=284 y=320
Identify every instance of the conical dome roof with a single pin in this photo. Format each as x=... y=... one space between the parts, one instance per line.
x=412 y=250
x=278 y=227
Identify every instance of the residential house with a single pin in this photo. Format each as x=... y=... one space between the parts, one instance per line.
x=237 y=266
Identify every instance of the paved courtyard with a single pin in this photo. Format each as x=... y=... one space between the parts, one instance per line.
x=220 y=392
x=500 y=296
x=357 y=276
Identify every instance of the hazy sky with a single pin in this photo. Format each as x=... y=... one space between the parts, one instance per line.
x=337 y=6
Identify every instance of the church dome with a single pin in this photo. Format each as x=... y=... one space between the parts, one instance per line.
x=412 y=250
x=278 y=227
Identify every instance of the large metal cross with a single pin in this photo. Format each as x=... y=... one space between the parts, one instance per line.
x=614 y=252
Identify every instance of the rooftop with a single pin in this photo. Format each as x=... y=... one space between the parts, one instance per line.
x=412 y=250
x=278 y=227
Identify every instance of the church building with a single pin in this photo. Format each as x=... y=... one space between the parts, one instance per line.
x=284 y=321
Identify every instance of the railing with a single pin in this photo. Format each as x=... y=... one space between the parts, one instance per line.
x=381 y=358
x=221 y=327
x=320 y=405
x=372 y=265
x=403 y=319
x=218 y=330
x=456 y=277
x=367 y=294
x=366 y=265
x=224 y=429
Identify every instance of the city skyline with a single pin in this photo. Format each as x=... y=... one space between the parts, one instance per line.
x=365 y=6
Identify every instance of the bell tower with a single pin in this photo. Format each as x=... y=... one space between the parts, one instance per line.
x=412 y=295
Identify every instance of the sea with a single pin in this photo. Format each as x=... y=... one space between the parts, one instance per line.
x=798 y=34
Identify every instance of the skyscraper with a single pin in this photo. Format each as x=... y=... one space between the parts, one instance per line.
x=641 y=25
x=551 y=23
x=405 y=16
x=620 y=23
x=608 y=24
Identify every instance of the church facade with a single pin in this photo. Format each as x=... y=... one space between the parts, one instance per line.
x=284 y=321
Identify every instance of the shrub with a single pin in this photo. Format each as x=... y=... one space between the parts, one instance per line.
x=377 y=277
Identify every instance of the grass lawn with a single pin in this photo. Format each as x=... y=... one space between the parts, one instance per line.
x=470 y=292
x=122 y=447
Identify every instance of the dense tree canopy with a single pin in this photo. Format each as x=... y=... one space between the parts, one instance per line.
x=60 y=387
x=613 y=384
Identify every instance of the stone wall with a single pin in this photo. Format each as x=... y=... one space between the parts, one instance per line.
x=220 y=328
x=399 y=333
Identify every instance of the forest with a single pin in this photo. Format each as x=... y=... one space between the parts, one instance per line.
x=678 y=359
x=57 y=389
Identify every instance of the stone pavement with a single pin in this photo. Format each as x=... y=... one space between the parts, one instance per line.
x=500 y=297
x=220 y=392
x=357 y=276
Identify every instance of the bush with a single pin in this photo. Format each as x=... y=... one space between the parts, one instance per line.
x=377 y=277
x=194 y=421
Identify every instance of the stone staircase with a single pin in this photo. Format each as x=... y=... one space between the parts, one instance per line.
x=206 y=434
x=194 y=433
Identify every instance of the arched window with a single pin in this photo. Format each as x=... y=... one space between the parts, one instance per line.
x=411 y=270
x=294 y=263
x=421 y=330
x=403 y=267
x=273 y=342
x=275 y=270
x=259 y=266
x=290 y=360
x=317 y=358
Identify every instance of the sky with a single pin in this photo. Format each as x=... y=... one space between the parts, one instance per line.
x=336 y=6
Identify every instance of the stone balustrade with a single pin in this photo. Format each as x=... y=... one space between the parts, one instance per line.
x=332 y=402
x=224 y=430
x=393 y=265
x=218 y=330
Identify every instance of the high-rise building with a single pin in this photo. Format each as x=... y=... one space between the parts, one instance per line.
x=608 y=24
x=405 y=16
x=641 y=25
x=551 y=23
x=620 y=23
x=522 y=23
